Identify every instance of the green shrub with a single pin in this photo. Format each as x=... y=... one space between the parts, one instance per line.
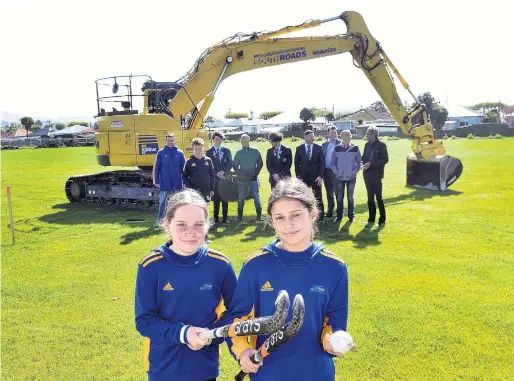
x=261 y=139
x=471 y=136
x=294 y=139
x=393 y=138
x=445 y=136
x=454 y=137
x=319 y=138
x=498 y=136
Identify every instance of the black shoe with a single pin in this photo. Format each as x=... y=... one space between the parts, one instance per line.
x=239 y=218
x=338 y=219
x=216 y=220
x=225 y=221
x=381 y=224
x=352 y=219
x=329 y=214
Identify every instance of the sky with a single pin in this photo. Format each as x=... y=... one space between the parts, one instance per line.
x=53 y=51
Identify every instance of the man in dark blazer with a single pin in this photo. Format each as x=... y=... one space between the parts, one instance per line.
x=309 y=164
x=328 y=178
x=222 y=159
x=374 y=159
x=279 y=159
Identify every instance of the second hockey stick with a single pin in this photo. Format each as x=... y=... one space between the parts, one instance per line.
x=281 y=336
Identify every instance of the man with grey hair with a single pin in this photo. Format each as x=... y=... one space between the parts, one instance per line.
x=328 y=178
x=374 y=159
x=247 y=165
x=345 y=163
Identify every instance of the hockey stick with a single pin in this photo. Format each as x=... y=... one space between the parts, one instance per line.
x=257 y=326
x=280 y=337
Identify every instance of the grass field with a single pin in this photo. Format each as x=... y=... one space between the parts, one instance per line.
x=431 y=294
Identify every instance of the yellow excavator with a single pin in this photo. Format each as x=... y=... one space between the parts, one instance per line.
x=131 y=138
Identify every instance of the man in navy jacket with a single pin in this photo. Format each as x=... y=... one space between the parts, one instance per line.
x=374 y=159
x=167 y=172
x=309 y=164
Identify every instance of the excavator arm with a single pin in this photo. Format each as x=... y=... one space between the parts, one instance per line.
x=259 y=50
x=193 y=94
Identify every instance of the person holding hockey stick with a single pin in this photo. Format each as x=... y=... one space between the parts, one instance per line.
x=181 y=288
x=294 y=263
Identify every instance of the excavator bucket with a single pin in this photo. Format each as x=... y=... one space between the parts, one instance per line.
x=435 y=174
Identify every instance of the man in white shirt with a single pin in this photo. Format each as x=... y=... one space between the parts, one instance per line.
x=328 y=179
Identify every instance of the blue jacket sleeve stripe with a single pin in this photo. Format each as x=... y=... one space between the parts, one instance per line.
x=337 y=309
x=241 y=308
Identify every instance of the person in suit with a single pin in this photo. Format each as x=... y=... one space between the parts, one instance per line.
x=328 y=178
x=222 y=159
x=309 y=164
x=279 y=159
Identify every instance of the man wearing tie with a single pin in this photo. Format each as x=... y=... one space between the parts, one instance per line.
x=328 y=178
x=309 y=165
x=279 y=159
x=222 y=159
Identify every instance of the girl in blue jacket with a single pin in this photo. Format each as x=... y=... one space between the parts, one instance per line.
x=181 y=289
x=294 y=263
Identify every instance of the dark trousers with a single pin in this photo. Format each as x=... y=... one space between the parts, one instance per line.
x=330 y=184
x=217 y=200
x=318 y=194
x=374 y=189
x=350 y=188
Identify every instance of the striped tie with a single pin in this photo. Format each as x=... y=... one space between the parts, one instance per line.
x=309 y=151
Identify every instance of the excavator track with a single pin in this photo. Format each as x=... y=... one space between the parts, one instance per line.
x=133 y=189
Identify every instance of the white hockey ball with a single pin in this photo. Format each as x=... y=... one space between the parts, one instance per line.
x=341 y=341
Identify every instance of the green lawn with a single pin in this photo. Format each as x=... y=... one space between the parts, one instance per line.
x=431 y=294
